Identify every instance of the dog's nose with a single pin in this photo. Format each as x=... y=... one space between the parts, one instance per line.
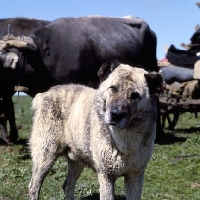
x=118 y=117
x=114 y=113
x=117 y=114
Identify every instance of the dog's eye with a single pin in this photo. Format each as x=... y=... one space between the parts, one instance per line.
x=113 y=89
x=135 y=95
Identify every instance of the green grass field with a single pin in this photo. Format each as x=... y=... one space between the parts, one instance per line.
x=172 y=174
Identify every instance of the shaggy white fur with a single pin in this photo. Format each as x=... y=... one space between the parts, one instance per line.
x=111 y=129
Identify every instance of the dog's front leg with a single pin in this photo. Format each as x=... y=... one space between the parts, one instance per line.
x=106 y=187
x=133 y=185
x=74 y=171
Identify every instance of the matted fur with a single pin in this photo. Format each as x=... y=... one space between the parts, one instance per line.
x=111 y=129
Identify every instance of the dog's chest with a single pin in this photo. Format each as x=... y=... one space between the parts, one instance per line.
x=120 y=153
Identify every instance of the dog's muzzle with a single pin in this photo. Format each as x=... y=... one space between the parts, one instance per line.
x=118 y=118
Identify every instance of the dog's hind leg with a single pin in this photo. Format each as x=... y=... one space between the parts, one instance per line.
x=74 y=171
x=42 y=160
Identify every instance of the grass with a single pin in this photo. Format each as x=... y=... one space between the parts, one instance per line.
x=172 y=174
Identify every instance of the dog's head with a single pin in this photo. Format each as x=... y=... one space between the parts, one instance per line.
x=127 y=92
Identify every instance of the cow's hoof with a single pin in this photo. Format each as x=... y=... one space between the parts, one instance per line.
x=3 y=142
x=13 y=136
x=9 y=141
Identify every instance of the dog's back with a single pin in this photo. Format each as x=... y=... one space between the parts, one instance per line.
x=60 y=111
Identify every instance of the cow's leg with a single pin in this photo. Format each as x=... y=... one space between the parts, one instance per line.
x=106 y=187
x=10 y=114
x=3 y=125
x=74 y=171
x=3 y=120
x=42 y=160
x=133 y=185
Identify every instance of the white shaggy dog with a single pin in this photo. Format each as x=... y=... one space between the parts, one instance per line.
x=111 y=129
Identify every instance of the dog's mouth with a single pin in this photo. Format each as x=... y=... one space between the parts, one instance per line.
x=119 y=124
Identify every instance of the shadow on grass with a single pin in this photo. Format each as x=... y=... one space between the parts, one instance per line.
x=22 y=142
x=188 y=130
x=96 y=196
x=170 y=138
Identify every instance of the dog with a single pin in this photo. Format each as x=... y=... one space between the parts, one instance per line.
x=110 y=129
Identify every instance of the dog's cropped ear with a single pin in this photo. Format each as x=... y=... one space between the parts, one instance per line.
x=155 y=83
x=107 y=68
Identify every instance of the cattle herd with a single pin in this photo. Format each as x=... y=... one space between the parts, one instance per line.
x=36 y=55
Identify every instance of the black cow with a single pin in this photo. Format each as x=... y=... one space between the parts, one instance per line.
x=71 y=50
x=19 y=26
